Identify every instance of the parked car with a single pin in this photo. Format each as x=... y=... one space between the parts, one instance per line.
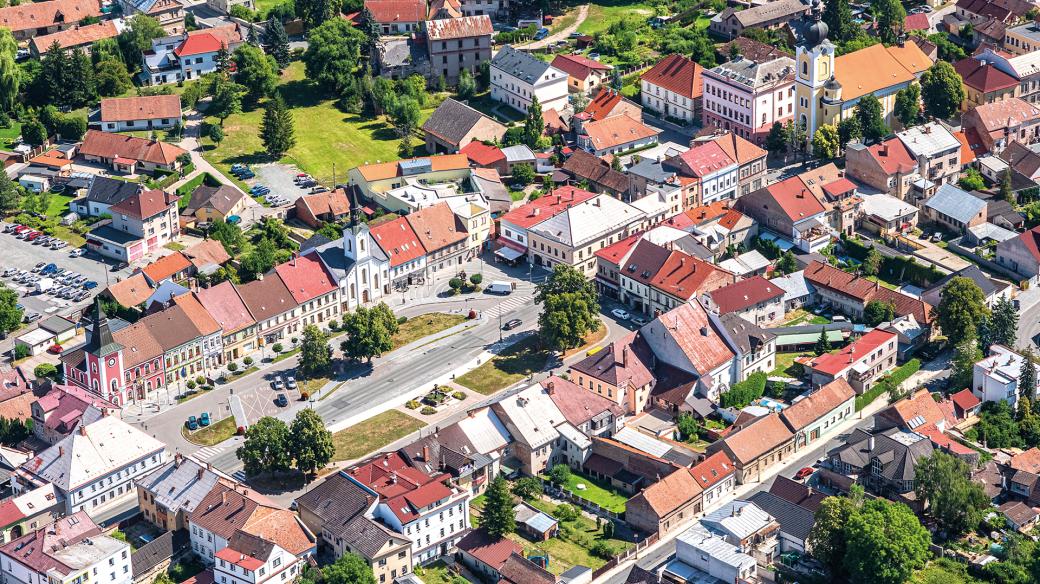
x=541 y=34
x=32 y=317
x=290 y=382
x=638 y=320
x=204 y=419
x=804 y=473
x=619 y=314
x=192 y=423
x=54 y=349
x=90 y=285
x=281 y=401
x=278 y=384
x=79 y=251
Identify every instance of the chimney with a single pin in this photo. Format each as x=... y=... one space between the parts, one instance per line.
x=471 y=413
x=426 y=453
x=550 y=387
x=82 y=429
x=223 y=498
x=200 y=474
x=704 y=331
x=870 y=444
x=294 y=259
x=61 y=451
x=883 y=151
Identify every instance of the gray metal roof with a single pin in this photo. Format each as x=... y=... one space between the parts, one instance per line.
x=452 y=120
x=794 y=520
x=179 y=484
x=956 y=203
x=520 y=64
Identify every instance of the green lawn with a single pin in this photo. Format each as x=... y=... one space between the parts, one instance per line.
x=884 y=283
x=600 y=493
x=8 y=136
x=785 y=365
x=802 y=316
x=435 y=573
x=424 y=325
x=325 y=136
x=373 y=434
x=512 y=365
x=603 y=12
x=572 y=547
x=212 y=434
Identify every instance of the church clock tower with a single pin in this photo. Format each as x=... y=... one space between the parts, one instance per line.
x=815 y=63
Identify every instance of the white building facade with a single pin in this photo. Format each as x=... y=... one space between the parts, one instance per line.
x=517 y=78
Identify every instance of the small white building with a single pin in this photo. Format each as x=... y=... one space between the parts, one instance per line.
x=698 y=551
x=517 y=78
x=995 y=378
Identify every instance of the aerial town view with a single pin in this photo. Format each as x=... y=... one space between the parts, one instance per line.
x=519 y=291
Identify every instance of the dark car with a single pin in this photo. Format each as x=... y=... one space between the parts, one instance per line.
x=512 y=324
x=192 y=423
x=281 y=401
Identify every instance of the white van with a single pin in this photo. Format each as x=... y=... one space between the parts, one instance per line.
x=500 y=287
x=44 y=285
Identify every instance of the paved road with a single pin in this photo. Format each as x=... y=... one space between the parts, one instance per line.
x=559 y=35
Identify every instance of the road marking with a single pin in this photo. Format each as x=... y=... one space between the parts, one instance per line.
x=239 y=475
x=210 y=452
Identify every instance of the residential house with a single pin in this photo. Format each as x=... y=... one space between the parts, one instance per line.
x=955 y=209
x=400 y=243
x=457 y=44
x=101 y=194
x=518 y=77
x=707 y=174
x=716 y=475
x=206 y=256
x=673 y=88
x=700 y=553
x=168 y=13
x=513 y=226
x=170 y=493
x=189 y=337
x=128 y=154
x=484 y=156
x=271 y=305
x=518 y=154
x=63 y=552
x=1021 y=254
x=756 y=447
x=730 y=24
x=454 y=125
x=886 y=214
x=750 y=158
x=189 y=55
x=80 y=37
x=747 y=97
x=313 y=289
x=26 y=21
x=225 y=6
x=519 y=570
x=424 y=507
x=789 y=209
x=601 y=178
x=999 y=122
x=154 y=112
x=60 y=411
x=666 y=504
x=141 y=224
x=1020 y=516
x=174 y=266
x=849 y=294
x=615 y=135
x=1022 y=39
x=397 y=17
x=584 y=75
x=592 y=414
x=984 y=83
x=797 y=291
x=319 y=208
x=996 y=377
x=746 y=526
x=574 y=235
x=862 y=362
x=28 y=512
x=814 y=416
x=208 y=204
x=340 y=512
x=887 y=166
x=542 y=436
x=883 y=461
x=936 y=150
x=795 y=522
x=655 y=279
x=605 y=103
x=443 y=240
x=754 y=348
x=94 y=468
x=687 y=340
x=238 y=327
x=485 y=555
x=754 y=299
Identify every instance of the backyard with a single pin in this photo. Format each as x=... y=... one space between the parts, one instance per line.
x=8 y=136
x=596 y=491
x=325 y=136
x=512 y=365
x=373 y=434
x=573 y=546
x=801 y=316
x=786 y=366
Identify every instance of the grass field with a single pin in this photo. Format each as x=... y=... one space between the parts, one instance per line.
x=435 y=573
x=785 y=365
x=8 y=136
x=212 y=434
x=424 y=325
x=573 y=546
x=512 y=365
x=801 y=316
x=603 y=12
x=596 y=491
x=325 y=136
x=373 y=434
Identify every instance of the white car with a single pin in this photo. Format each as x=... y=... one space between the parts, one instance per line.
x=619 y=314
x=290 y=382
x=278 y=384
x=77 y=252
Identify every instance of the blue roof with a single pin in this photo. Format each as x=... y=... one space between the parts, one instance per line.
x=166 y=290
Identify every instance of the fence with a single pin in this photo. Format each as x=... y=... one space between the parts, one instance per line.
x=594 y=508
x=625 y=556
x=955 y=247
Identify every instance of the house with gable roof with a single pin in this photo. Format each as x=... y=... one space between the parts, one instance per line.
x=188 y=55
x=673 y=88
x=517 y=77
x=666 y=504
x=584 y=74
x=454 y=125
x=1021 y=254
x=789 y=209
x=168 y=13
x=756 y=446
x=26 y=21
x=64 y=551
x=814 y=416
x=862 y=362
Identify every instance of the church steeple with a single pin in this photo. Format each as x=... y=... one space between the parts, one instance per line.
x=101 y=342
x=355 y=210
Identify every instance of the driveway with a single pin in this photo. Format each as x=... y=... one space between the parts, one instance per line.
x=560 y=35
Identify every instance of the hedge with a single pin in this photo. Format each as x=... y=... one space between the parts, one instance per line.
x=890 y=382
x=745 y=392
x=898 y=268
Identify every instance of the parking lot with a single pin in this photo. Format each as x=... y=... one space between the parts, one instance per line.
x=23 y=255
x=279 y=178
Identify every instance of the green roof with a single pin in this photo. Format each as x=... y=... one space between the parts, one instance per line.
x=805 y=338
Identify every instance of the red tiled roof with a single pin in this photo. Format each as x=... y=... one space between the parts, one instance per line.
x=549 y=205
x=482 y=154
x=625 y=360
x=981 y=77
x=712 y=470
x=166 y=266
x=685 y=276
x=226 y=307
x=148 y=107
x=795 y=198
x=305 y=277
x=677 y=74
x=145 y=204
x=706 y=158
x=386 y=11
x=35 y=15
x=403 y=488
x=604 y=103
x=328 y=203
x=111 y=145
x=893 y=157
x=578 y=66
x=617 y=130
x=77 y=36
x=435 y=227
x=1028 y=461
x=834 y=363
x=757 y=438
x=818 y=404
x=745 y=294
x=578 y=405
x=398 y=240
x=492 y=551
x=965 y=399
x=459 y=28
x=243 y=561
x=198 y=44
x=616 y=252
x=916 y=22
x=707 y=213
x=839 y=187
x=967 y=154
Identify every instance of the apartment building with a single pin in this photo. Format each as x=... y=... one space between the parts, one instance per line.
x=456 y=44
x=141 y=224
x=70 y=550
x=937 y=151
x=673 y=88
x=313 y=289
x=518 y=77
x=748 y=97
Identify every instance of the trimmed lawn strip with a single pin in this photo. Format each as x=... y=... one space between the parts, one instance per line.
x=213 y=434
x=512 y=365
x=424 y=325
x=435 y=573
x=373 y=434
x=596 y=491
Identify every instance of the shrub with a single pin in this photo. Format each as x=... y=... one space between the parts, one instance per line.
x=608 y=529
x=459 y=395
x=428 y=411
x=200 y=380
x=45 y=370
x=277 y=347
x=402 y=319
x=191 y=384
x=602 y=549
x=476 y=279
x=232 y=366
x=248 y=361
x=333 y=325
x=745 y=392
x=411 y=404
x=21 y=351
x=565 y=512
x=560 y=473
x=455 y=284
x=888 y=383
x=305 y=395
x=527 y=488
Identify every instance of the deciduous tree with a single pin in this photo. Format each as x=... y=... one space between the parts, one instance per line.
x=315 y=352
x=872 y=263
x=256 y=72
x=570 y=308
x=878 y=311
x=369 y=332
x=825 y=142
x=333 y=54
x=534 y=125
x=10 y=76
x=942 y=89
x=349 y=568
x=871 y=120
x=311 y=442
x=907 y=108
x=885 y=543
x=266 y=448
x=961 y=305
x=890 y=16
x=966 y=354
x=111 y=78
x=944 y=483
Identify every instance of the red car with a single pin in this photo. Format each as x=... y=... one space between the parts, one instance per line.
x=805 y=473
x=54 y=349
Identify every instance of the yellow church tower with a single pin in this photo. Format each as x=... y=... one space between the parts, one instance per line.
x=815 y=88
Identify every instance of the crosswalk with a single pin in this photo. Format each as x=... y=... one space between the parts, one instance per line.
x=516 y=300
x=211 y=452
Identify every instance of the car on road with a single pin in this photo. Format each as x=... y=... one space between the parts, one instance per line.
x=204 y=419
x=541 y=34
x=804 y=473
x=278 y=384
x=290 y=382
x=32 y=317
x=512 y=324
x=281 y=401
x=192 y=423
x=620 y=314
x=638 y=320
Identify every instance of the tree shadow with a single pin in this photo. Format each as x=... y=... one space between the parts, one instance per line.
x=278 y=483
x=301 y=93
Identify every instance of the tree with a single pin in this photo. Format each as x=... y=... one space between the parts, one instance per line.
x=276 y=42
x=534 y=125
x=277 y=132
x=1006 y=192
x=825 y=142
x=885 y=543
x=889 y=15
x=10 y=75
x=944 y=484
x=370 y=27
x=838 y=16
x=333 y=54
x=34 y=133
x=961 y=305
x=777 y=139
x=404 y=115
x=216 y=133
x=971 y=180
x=560 y=473
x=316 y=13
x=527 y=488
x=315 y=352
x=687 y=426
x=266 y=448
x=81 y=90
x=878 y=311
x=907 y=108
x=256 y=72
x=349 y=568
x=137 y=38
x=229 y=234
x=828 y=531
x=524 y=173
x=111 y=78
x=369 y=332
x=1027 y=378
x=871 y=120
x=497 y=516
x=787 y=264
x=872 y=263
x=571 y=307
x=942 y=89
x=849 y=129
x=311 y=442
x=966 y=355
x=227 y=100
x=823 y=344
x=10 y=193
x=466 y=86
x=45 y=370
x=224 y=60
x=1003 y=323
x=260 y=260
x=997 y=427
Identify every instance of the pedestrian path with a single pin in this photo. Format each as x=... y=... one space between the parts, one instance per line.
x=515 y=301
x=210 y=452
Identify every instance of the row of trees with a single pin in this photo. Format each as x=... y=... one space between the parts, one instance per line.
x=272 y=446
